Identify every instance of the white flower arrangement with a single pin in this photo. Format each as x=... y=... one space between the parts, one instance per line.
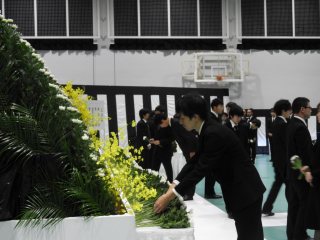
x=101 y=172
x=14 y=26
x=36 y=55
x=85 y=137
x=61 y=96
x=136 y=165
x=62 y=108
x=8 y=20
x=54 y=86
x=40 y=59
x=72 y=109
x=25 y=42
x=94 y=157
x=76 y=121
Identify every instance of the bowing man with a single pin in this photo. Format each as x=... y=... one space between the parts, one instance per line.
x=220 y=152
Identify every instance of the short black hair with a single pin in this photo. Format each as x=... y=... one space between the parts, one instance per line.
x=191 y=104
x=231 y=104
x=160 y=108
x=143 y=112
x=256 y=122
x=216 y=102
x=236 y=110
x=298 y=103
x=157 y=118
x=282 y=104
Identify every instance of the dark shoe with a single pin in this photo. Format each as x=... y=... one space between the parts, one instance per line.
x=216 y=196
x=230 y=215
x=212 y=196
x=268 y=214
x=187 y=198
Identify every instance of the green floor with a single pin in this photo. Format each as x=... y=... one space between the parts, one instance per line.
x=265 y=169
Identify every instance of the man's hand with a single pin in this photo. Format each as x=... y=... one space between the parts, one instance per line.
x=155 y=142
x=305 y=169
x=191 y=154
x=308 y=177
x=171 y=186
x=163 y=201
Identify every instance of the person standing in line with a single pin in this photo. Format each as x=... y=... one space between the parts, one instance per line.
x=221 y=152
x=162 y=142
x=187 y=141
x=143 y=136
x=283 y=110
x=269 y=125
x=215 y=114
x=312 y=176
x=252 y=136
x=298 y=143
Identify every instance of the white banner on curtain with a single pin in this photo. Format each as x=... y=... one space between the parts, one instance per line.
x=138 y=104
x=155 y=101
x=102 y=97
x=171 y=106
x=226 y=99
x=122 y=120
x=312 y=126
x=262 y=139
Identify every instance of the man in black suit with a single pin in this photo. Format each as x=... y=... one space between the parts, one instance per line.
x=240 y=128
x=162 y=142
x=215 y=114
x=252 y=136
x=269 y=125
x=282 y=109
x=299 y=143
x=220 y=152
x=187 y=141
x=143 y=136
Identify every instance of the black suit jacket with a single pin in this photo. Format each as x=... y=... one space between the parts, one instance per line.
x=279 y=157
x=187 y=141
x=252 y=132
x=315 y=167
x=269 y=125
x=142 y=130
x=242 y=133
x=215 y=118
x=299 y=143
x=166 y=137
x=221 y=152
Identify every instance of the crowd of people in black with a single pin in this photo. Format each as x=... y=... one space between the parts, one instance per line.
x=221 y=146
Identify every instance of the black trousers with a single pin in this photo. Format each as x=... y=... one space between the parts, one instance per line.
x=248 y=222
x=274 y=191
x=145 y=161
x=271 y=147
x=297 y=205
x=209 y=183
x=253 y=151
x=166 y=162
